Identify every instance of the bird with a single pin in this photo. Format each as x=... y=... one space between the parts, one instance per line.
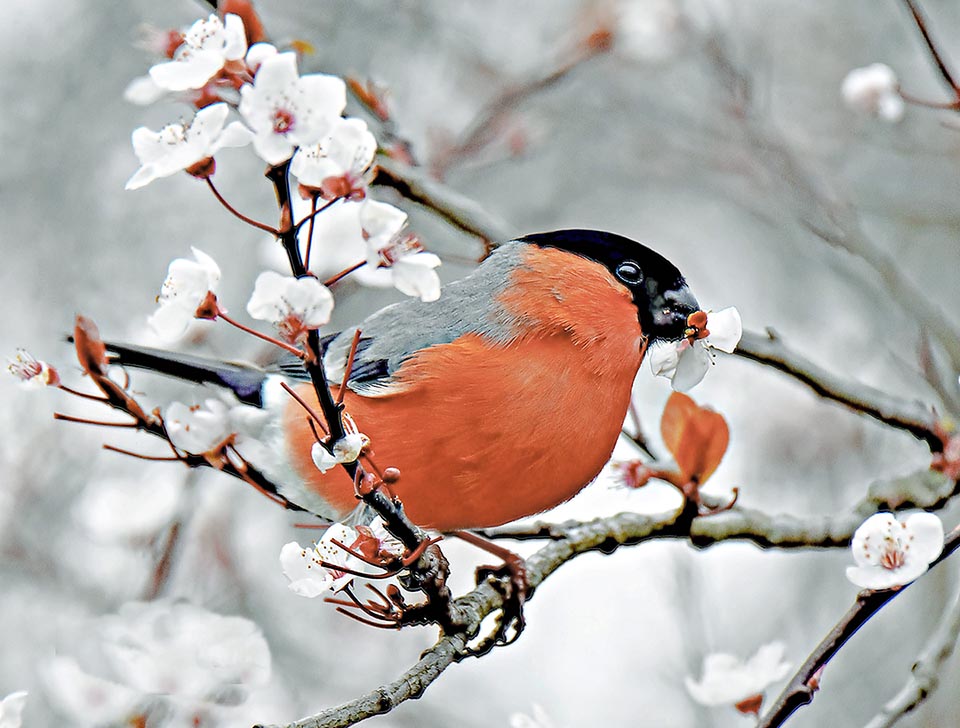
x=500 y=400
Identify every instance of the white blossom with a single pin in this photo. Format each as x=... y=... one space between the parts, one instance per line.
x=286 y=110
x=294 y=305
x=129 y=509
x=728 y=680
x=179 y=147
x=206 y=47
x=11 y=709
x=874 y=89
x=345 y=153
x=345 y=450
x=412 y=271
x=314 y=571
x=686 y=362
x=188 y=286
x=32 y=372
x=197 y=428
x=890 y=553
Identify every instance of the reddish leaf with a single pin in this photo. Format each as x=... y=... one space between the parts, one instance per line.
x=696 y=436
x=91 y=351
x=251 y=21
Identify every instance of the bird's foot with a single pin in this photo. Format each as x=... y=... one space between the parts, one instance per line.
x=512 y=580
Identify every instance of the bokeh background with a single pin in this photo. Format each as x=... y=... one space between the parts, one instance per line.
x=714 y=131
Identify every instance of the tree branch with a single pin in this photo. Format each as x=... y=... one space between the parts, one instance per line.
x=457 y=209
x=938 y=59
x=801 y=688
x=913 y=417
x=925 y=674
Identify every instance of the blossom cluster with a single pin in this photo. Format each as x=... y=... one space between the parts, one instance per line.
x=289 y=118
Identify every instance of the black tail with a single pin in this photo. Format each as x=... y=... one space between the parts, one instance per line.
x=246 y=381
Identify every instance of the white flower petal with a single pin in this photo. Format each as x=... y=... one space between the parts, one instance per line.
x=143 y=91
x=235 y=38
x=414 y=275
x=258 y=53
x=726 y=329
x=322 y=459
x=664 y=358
x=11 y=709
x=726 y=680
x=890 y=553
x=692 y=367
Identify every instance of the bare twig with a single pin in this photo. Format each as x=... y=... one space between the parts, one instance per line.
x=926 y=672
x=914 y=417
x=457 y=209
x=938 y=58
x=802 y=686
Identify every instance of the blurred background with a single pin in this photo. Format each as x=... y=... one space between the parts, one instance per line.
x=712 y=130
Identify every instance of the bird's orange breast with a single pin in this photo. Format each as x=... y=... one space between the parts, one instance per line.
x=486 y=433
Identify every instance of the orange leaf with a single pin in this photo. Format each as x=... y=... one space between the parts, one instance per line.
x=696 y=436
x=251 y=20
x=91 y=351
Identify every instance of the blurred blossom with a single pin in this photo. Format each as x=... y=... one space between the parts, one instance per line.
x=188 y=286
x=185 y=146
x=143 y=91
x=11 y=709
x=650 y=30
x=287 y=110
x=539 y=719
x=727 y=680
x=197 y=428
x=891 y=553
x=686 y=362
x=31 y=371
x=164 y=658
x=206 y=47
x=294 y=305
x=87 y=699
x=875 y=90
x=130 y=509
x=336 y=165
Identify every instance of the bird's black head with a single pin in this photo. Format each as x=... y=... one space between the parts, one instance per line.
x=660 y=293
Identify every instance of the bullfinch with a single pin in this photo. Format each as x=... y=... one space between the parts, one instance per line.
x=500 y=400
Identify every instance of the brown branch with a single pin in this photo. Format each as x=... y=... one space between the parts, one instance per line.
x=572 y=538
x=457 y=209
x=397 y=523
x=913 y=417
x=926 y=673
x=938 y=58
x=802 y=686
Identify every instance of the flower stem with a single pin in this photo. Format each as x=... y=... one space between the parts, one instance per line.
x=344 y=273
x=313 y=212
x=237 y=213
x=276 y=342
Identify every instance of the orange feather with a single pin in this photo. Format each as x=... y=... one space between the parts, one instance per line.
x=484 y=433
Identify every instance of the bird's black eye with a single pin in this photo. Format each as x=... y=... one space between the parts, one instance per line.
x=629 y=272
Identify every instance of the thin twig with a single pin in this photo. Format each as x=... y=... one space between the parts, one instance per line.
x=457 y=209
x=801 y=688
x=264 y=337
x=915 y=418
x=938 y=59
x=236 y=213
x=926 y=673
